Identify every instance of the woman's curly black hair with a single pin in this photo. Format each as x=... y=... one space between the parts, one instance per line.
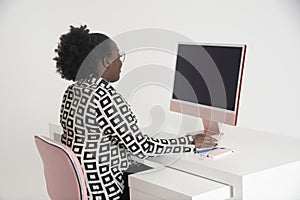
x=73 y=49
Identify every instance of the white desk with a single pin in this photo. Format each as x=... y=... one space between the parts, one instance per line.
x=264 y=166
x=166 y=183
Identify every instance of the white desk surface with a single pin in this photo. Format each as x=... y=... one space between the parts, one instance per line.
x=254 y=151
x=261 y=164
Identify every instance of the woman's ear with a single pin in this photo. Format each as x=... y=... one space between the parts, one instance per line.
x=102 y=67
x=106 y=61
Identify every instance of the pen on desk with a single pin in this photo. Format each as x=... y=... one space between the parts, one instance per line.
x=205 y=150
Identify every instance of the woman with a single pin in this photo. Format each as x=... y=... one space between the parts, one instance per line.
x=97 y=121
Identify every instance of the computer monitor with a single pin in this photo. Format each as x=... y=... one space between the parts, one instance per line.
x=207 y=83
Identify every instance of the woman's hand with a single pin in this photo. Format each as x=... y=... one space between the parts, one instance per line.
x=204 y=141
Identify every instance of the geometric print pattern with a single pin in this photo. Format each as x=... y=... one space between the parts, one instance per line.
x=99 y=126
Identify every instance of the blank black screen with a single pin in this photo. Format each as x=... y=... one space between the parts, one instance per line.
x=199 y=71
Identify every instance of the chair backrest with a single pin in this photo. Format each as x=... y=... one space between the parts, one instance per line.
x=63 y=173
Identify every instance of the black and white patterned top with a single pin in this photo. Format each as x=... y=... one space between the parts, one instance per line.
x=101 y=129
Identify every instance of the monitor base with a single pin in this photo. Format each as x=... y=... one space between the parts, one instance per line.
x=210 y=128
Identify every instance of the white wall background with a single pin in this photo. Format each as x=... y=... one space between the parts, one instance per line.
x=31 y=91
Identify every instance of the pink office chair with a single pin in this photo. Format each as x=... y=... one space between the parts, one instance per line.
x=63 y=173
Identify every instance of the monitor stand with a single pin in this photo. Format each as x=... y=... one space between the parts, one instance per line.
x=211 y=127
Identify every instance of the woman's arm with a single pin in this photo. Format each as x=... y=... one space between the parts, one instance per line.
x=122 y=126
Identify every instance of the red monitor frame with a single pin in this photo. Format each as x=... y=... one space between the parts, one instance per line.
x=211 y=116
